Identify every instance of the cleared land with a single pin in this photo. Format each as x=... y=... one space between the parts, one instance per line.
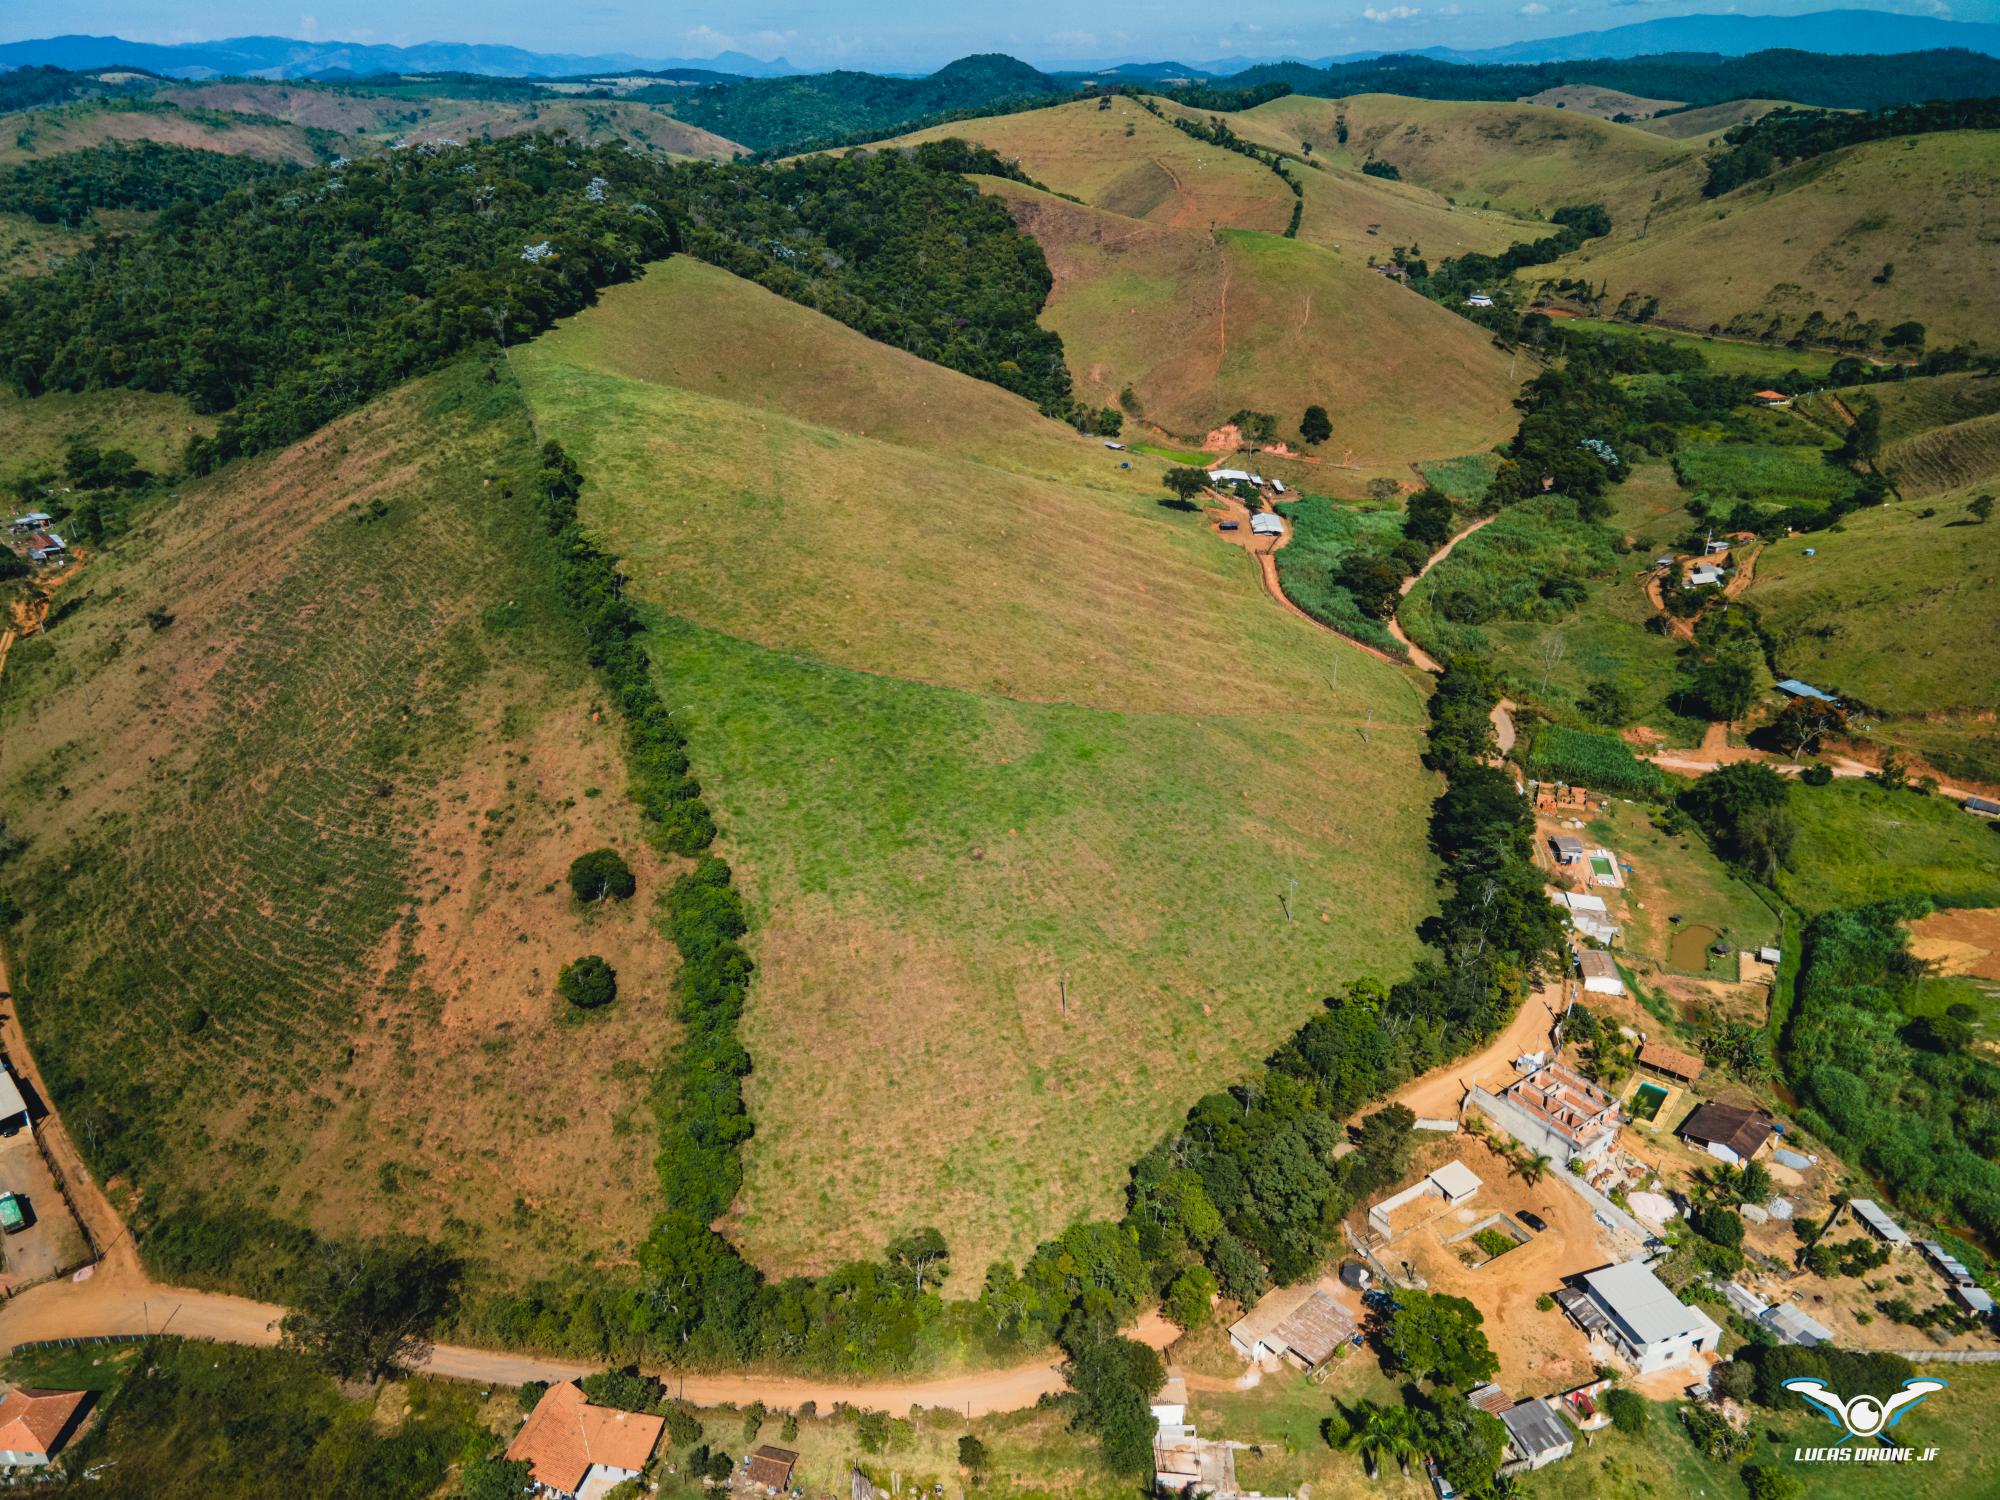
x=32 y=134
x=1200 y=325
x=976 y=713
x=295 y=845
x=1711 y=119
x=1604 y=103
x=1813 y=239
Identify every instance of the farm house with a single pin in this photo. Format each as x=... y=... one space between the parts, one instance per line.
x=1729 y=1133
x=1266 y=524
x=1600 y=972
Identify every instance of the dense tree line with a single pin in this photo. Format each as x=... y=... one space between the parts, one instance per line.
x=1819 y=79
x=1915 y=1106
x=1787 y=135
x=292 y=300
x=40 y=86
x=67 y=189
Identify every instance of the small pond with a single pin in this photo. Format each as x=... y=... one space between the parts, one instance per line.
x=1688 y=948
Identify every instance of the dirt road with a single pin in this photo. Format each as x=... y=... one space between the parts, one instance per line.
x=1418 y=656
x=1435 y=1096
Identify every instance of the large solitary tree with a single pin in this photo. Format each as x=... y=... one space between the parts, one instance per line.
x=1186 y=484
x=366 y=1312
x=1315 y=426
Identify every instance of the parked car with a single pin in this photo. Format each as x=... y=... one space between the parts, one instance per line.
x=13 y=1213
x=1438 y=1482
x=1534 y=1221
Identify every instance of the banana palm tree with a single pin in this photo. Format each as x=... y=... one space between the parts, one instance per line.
x=1379 y=1432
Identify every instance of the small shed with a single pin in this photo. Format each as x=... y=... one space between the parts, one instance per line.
x=1798 y=1161
x=1769 y=955
x=1878 y=1223
x=1791 y=687
x=1566 y=847
x=1953 y=1268
x=1703 y=575
x=1170 y=1406
x=1536 y=1434
x=34 y=520
x=1985 y=807
x=45 y=545
x=1455 y=1182
x=1975 y=1300
x=1795 y=1326
x=1600 y=972
x=771 y=1468
x=1479 y=299
x=1266 y=524
x=1672 y=1061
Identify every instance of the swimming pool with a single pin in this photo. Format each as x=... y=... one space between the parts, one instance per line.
x=1646 y=1100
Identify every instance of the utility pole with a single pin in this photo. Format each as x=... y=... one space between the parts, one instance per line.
x=1285 y=899
x=1065 y=994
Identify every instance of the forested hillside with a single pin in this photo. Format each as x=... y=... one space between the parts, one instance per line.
x=288 y=302
x=797 y=113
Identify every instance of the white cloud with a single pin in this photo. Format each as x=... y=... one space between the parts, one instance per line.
x=1534 y=8
x=1393 y=13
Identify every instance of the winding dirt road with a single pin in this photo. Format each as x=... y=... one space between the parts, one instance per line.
x=1418 y=656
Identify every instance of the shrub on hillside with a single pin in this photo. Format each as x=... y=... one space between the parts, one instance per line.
x=1627 y=1410
x=588 y=982
x=600 y=875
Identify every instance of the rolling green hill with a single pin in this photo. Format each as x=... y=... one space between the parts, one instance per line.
x=984 y=725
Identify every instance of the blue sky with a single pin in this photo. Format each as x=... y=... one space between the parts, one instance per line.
x=904 y=33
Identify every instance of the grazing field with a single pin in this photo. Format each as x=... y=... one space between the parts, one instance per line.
x=1521 y=159
x=1791 y=474
x=1129 y=162
x=1912 y=408
x=1711 y=119
x=1723 y=356
x=297 y=811
x=1200 y=325
x=1858 y=842
x=1963 y=455
x=1346 y=209
x=976 y=713
x=154 y=428
x=1604 y=103
x=1323 y=533
x=1891 y=607
x=1813 y=239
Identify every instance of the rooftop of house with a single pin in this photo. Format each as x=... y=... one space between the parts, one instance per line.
x=1637 y=1298
x=565 y=1435
x=32 y=1420
x=1743 y=1131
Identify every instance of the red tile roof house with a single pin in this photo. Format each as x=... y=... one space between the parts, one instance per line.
x=576 y=1451
x=34 y=1425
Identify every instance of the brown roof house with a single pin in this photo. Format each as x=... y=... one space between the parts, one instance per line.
x=771 y=1468
x=577 y=1451
x=34 y=1425
x=1725 y=1131
x=1671 y=1061
x=1298 y=1323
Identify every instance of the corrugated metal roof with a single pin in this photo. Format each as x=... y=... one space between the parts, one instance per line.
x=1869 y=1212
x=1634 y=1296
x=1267 y=525
x=1536 y=1429
x=1799 y=689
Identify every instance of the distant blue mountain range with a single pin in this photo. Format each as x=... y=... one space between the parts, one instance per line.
x=1829 y=31
x=285 y=57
